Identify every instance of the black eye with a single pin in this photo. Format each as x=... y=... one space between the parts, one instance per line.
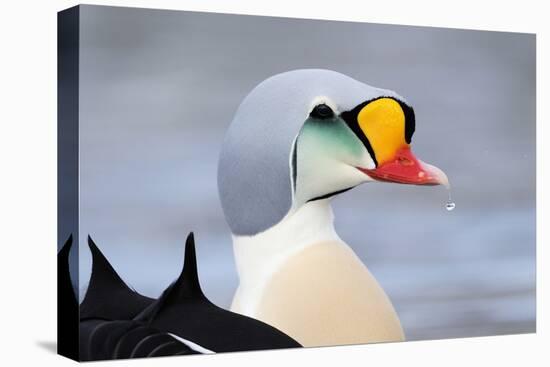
x=322 y=111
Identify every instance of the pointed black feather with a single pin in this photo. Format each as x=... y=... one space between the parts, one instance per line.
x=188 y=281
x=184 y=310
x=184 y=289
x=67 y=304
x=108 y=297
x=65 y=287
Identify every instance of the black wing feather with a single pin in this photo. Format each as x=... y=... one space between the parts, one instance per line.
x=117 y=322
x=108 y=297
x=184 y=310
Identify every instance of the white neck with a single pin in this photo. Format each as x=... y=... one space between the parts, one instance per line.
x=258 y=257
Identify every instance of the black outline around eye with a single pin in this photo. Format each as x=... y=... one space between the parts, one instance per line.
x=322 y=111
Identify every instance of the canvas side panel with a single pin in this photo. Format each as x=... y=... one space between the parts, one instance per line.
x=67 y=180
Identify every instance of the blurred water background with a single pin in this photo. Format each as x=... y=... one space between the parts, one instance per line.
x=159 y=88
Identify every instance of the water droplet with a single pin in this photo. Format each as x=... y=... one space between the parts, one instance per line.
x=450 y=203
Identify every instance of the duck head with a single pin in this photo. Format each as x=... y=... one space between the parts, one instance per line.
x=307 y=135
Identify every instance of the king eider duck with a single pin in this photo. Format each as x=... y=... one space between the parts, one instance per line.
x=298 y=139
x=116 y=322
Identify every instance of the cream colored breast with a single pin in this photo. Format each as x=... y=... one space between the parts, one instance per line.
x=324 y=295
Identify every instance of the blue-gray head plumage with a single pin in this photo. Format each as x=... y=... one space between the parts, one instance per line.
x=254 y=171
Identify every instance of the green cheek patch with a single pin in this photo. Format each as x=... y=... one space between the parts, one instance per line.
x=332 y=137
